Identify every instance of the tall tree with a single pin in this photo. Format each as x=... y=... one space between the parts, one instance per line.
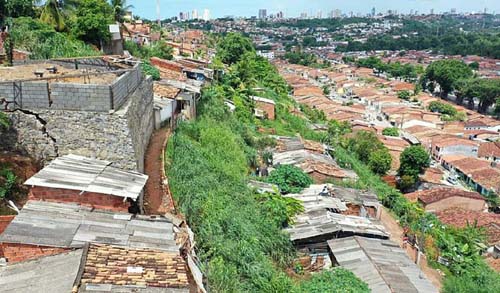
x=445 y=73
x=92 y=20
x=414 y=160
x=120 y=9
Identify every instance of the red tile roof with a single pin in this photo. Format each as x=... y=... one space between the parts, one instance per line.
x=460 y=218
x=489 y=149
x=469 y=165
x=434 y=195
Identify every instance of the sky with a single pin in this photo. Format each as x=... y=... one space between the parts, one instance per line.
x=293 y=8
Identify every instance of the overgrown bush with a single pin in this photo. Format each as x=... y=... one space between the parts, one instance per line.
x=290 y=179
x=336 y=280
x=43 y=42
x=149 y=69
x=391 y=131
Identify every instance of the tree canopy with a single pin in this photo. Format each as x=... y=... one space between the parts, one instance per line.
x=413 y=161
x=445 y=73
x=233 y=47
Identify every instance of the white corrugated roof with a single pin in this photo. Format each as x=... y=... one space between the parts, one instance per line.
x=91 y=175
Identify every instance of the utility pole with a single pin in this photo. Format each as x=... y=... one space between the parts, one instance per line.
x=158 y=12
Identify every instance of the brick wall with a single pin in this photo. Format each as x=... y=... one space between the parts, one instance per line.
x=320 y=178
x=166 y=64
x=267 y=108
x=91 y=199
x=4 y=222
x=15 y=252
x=469 y=204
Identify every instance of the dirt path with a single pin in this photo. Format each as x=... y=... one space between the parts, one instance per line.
x=392 y=226
x=157 y=198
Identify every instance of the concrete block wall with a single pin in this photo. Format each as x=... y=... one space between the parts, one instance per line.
x=80 y=97
x=124 y=86
x=35 y=95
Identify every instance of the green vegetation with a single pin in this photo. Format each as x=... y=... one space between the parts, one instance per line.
x=314 y=115
x=43 y=42
x=305 y=59
x=467 y=270
x=149 y=69
x=413 y=161
x=290 y=179
x=341 y=280
x=233 y=47
x=160 y=50
x=452 y=42
x=92 y=21
x=369 y=149
x=404 y=95
x=486 y=90
x=4 y=121
x=446 y=73
x=407 y=72
x=241 y=242
x=449 y=112
x=7 y=183
x=391 y=131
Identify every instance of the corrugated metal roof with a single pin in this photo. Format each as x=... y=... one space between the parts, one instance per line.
x=71 y=225
x=382 y=264
x=320 y=217
x=91 y=175
x=46 y=274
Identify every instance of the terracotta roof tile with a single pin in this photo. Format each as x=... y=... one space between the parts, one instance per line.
x=460 y=218
x=108 y=264
x=434 y=195
x=489 y=149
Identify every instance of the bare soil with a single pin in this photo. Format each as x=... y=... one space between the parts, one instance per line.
x=158 y=199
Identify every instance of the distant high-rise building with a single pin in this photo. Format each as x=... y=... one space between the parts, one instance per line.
x=432 y=11
x=181 y=16
x=453 y=11
x=303 y=15
x=206 y=15
x=319 y=14
x=337 y=13
x=485 y=10
x=262 y=13
x=411 y=11
x=373 y=11
x=280 y=15
x=194 y=14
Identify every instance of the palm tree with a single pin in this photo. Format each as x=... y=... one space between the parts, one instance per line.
x=54 y=12
x=120 y=9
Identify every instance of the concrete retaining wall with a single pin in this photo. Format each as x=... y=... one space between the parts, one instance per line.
x=120 y=137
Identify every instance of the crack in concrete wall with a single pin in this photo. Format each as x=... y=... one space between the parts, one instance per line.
x=43 y=128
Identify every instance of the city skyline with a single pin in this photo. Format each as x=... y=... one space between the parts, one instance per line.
x=295 y=8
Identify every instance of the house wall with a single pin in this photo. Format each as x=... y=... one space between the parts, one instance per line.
x=466 y=150
x=456 y=202
x=267 y=108
x=320 y=178
x=15 y=252
x=90 y=199
x=4 y=222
